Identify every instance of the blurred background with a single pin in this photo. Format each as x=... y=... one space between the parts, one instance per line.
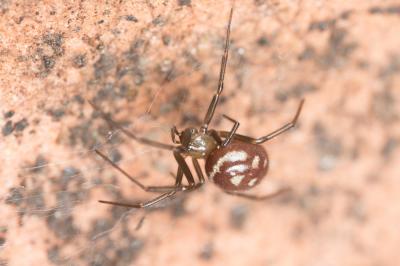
x=155 y=64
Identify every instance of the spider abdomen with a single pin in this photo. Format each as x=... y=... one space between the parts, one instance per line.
x=238 y=166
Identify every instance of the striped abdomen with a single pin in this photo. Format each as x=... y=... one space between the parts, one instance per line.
x=239 y=166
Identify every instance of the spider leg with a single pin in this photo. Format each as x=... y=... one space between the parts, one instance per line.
x=174 y=132
x=216 y=136
x=232 y=132
x=142 y=204
x=198 y=171
x=171 y=190
x=260 y=197
x=214 y=102
x=184 y=167
x=271 y=135
x=114 y=124
x=177 y=185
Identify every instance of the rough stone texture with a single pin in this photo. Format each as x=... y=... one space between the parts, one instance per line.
x=152 y=64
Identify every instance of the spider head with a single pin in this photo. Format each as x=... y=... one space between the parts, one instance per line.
x=187 y=135
x=197 y=144
x=183 y=137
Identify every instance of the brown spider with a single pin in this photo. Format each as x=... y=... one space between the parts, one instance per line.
x=234 y=163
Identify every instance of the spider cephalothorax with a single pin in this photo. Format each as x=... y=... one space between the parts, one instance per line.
x=197 y=144
x=234 y=162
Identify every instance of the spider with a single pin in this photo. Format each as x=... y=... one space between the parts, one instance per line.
x=232 y=161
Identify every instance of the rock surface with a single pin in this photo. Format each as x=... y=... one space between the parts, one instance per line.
x=154 y=64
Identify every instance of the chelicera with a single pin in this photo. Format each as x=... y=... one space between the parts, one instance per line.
x=232 y=161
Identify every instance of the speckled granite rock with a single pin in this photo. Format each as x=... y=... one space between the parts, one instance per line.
x=154 y=64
